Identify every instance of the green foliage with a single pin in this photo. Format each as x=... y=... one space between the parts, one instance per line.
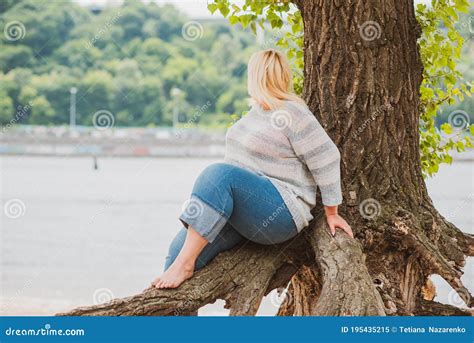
x=443 y=84
x=123 y=59
x=6 y=106
x=440 y=48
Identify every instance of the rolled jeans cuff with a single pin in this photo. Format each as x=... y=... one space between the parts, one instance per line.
x=203 y=218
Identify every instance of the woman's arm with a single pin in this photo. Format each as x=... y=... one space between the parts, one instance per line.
x=312 y=144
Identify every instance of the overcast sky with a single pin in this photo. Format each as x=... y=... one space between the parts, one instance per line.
x=192 y=8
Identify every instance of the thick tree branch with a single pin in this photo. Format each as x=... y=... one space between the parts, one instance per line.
x=344 y=276
x=241 y=276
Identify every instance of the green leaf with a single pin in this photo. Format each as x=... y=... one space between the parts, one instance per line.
x=233 y=19
x=446 y=128
x=224 y=9
x=212 y=7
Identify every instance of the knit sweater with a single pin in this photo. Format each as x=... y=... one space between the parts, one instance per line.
x=291 y=148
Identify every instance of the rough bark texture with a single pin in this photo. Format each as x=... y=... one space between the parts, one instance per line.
x=362 y=76
x=363 y=87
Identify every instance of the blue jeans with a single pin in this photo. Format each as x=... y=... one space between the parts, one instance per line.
x=228 y=205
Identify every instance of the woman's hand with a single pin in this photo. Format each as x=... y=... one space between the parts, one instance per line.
x=334 y=221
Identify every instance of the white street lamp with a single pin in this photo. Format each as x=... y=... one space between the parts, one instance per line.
x=72 y=108
x=175 y=93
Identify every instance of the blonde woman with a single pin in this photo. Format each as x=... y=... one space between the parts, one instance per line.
x=276 y=156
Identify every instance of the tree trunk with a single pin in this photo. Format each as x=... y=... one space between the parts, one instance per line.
x=362 y=78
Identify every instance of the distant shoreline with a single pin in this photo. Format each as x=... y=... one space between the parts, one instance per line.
x=189 y=151
x=116 y=142
x=123 y=143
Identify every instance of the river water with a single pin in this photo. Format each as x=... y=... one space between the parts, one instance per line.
x=83 y=235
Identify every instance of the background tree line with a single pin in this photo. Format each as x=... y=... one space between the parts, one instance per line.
x=126 y=60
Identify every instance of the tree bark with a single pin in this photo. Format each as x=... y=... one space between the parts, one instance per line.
x=362 y=78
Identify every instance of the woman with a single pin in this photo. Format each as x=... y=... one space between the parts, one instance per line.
x=276 y=156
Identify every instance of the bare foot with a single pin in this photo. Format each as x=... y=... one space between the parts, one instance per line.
x=176 y=274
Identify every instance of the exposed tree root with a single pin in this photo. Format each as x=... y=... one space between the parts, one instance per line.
x=430 y=254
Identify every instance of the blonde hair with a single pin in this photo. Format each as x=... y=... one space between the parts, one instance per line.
x=270 y=80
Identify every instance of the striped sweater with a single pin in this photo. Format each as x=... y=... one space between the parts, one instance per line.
x=291 y=148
